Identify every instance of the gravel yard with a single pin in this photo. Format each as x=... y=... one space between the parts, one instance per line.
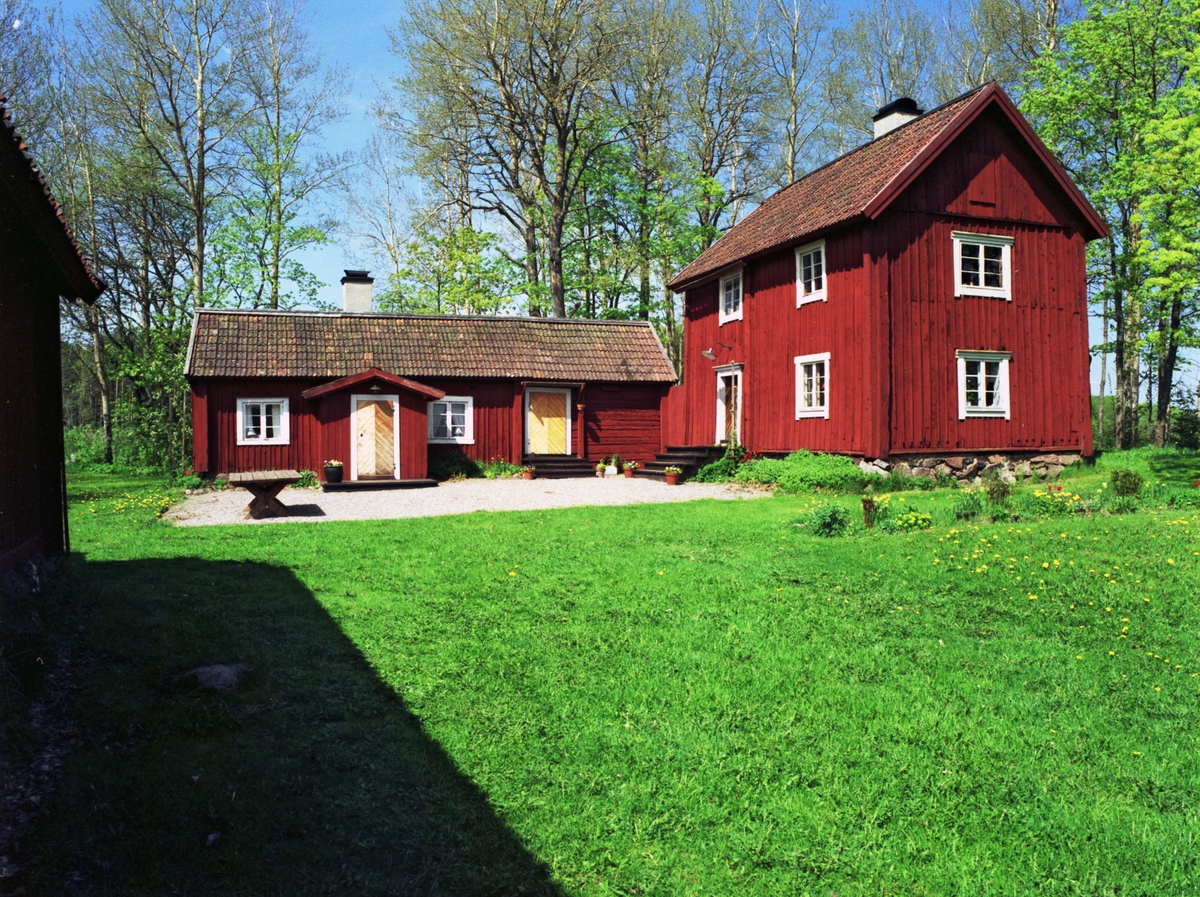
x=461 y=497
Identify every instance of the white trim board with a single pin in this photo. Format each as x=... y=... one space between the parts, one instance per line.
x=723 y=371
x=800 y=361
x=355 y=398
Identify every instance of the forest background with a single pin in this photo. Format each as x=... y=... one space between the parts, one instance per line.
x=559 y=159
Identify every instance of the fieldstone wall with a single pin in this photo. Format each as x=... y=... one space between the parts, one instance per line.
x=970 y=467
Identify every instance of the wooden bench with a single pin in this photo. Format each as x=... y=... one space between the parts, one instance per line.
x=265 y=485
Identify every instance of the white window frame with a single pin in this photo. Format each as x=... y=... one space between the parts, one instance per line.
x=1006 y=269
x=285 y=422
x=802 y=410
x=722 y=317
x=1004 y=410
x=355 y=399
x=820 y=295
x=726 y=370
x=469 y=438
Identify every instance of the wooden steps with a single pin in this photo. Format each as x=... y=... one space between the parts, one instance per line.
x=376 y=483
x=689 y=458
x=559 y=467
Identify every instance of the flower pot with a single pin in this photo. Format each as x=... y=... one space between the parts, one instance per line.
x=629 y=473
x=600 y=472
x=527 y=474
x=672 y=479
x=333 y=474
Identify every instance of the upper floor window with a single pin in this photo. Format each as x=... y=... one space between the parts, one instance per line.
x=982 y=265
x=729 y=300
x=812 y=385
x=810 y=273
x=452 y=419
x=262 y=422
x=983 y=384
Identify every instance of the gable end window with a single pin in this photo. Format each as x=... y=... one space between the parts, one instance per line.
x=982 y=265
x=263 y=422
x=812 y=385
x=452 y=420
x=810 y=273
x=983 y=384
x=729 y=298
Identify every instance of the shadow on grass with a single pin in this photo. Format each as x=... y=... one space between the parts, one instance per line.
x=313 y=774
x=1176 y=467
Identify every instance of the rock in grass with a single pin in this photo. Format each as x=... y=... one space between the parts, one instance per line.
x=221 y=677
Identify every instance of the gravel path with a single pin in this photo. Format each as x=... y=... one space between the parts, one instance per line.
x=463 y=497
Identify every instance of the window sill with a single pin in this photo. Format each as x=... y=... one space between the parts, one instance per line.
x=814 y=297
x=822 y=412
x=981 y=293
x=451 y=441
x=1003 y=415
x=723 y=320
x=264 y=442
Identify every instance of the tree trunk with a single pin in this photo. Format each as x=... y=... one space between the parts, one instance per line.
x=558 y=293
x=1103 y=369
x=532 y=272
x=1166 y=375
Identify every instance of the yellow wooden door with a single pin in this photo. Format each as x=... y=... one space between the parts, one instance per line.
x=547 y=423
x=374 y=424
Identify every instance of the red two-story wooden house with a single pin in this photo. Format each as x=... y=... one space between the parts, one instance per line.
x=923 y=295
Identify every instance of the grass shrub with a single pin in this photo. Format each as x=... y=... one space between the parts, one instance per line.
x=724 y=468
x=1127 y=482
x=804 y=471
x=912 y=519
x=829 y=521
x=84 y=445
x=308 y=480
x=498 y=468
x=454 y=465
x=967 y=505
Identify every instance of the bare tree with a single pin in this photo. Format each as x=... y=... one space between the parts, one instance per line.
x=798 y=52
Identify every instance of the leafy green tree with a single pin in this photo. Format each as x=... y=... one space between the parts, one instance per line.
x=461 y=272
x=1095 y=101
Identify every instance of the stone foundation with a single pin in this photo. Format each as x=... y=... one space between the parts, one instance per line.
x=973 y=467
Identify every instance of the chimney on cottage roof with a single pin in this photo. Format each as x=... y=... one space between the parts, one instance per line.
x=356 y=292
x=894 y=114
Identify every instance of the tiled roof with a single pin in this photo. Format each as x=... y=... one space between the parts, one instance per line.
x=832 y=195
x=323 y=344
x=8 y=134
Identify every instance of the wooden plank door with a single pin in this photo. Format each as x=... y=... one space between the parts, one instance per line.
x=374 y=423
x=547 y=423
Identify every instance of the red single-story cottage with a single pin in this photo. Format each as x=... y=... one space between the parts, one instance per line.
x=924 y=295
x=382 y=393
x=39 y=264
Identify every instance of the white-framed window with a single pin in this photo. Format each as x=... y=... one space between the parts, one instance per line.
x=729 y=298
x=810 y=273
x=452 y=420
x=982 y=265
x=263 y=422
x=812 y=385
x=983 y=384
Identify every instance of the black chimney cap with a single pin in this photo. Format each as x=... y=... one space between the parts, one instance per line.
x=356 y=276
x=903 y=105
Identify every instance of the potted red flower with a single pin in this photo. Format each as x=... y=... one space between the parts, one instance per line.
x=673 y=474
x=528 y=472
x=333 y=471
x=629 y=468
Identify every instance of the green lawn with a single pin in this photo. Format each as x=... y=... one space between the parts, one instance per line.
x=691 y=699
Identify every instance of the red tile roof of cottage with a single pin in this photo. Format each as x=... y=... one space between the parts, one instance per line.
x=17 y=157
x=861 y=183
x=229 y=343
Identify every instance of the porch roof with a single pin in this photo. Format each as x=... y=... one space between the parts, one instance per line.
x=367 y=376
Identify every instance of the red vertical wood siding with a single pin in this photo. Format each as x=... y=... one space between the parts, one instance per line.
x=414 y=436
x=623 y=419
x=31 y=447
x=305 y=450
x=892 y=325
x=1044 y=326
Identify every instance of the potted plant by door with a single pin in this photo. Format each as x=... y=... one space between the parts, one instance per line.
x=600 y=468
x=527 y=473
x=673 y=474
x=333 y=471
x=630 y=467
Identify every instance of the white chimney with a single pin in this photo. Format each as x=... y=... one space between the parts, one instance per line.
x=356 y=292
x=894 y=114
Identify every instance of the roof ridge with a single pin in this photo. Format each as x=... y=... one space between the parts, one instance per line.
x=875 y=141
x=7 y=123
x=317 y=313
